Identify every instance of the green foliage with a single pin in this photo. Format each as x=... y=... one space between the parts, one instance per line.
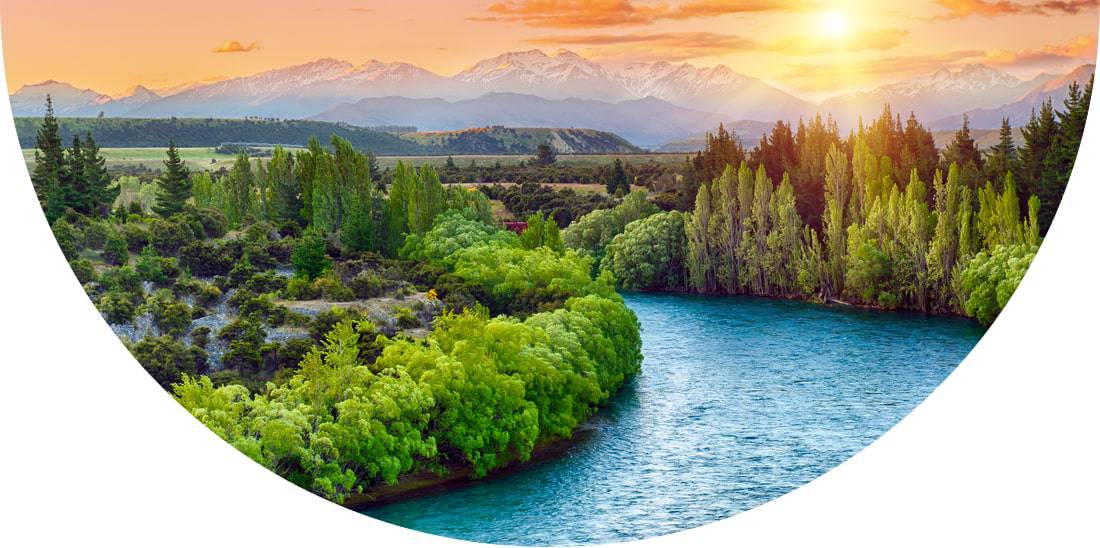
x=117 y=307
x=649 y=255
x=991 y=278
x=168 y=360
x=309 y=258
x=154 y=268
x=83 y=270
x=168 y=237
x=69 y=239
x=171 y=316
x=174 y=185
x=116 y=249
x=541 y=232
x=201 y=258
x=453 y=231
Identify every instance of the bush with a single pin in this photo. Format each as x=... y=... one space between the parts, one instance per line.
x=366 y=285
x=117 y=307
x=332 y=289
x=156 y=269
x=171 y=317
x=123 y=279
x=203 y=259
x=281 y=250
x=136 y=237
x=245 y=340
x=84 y=270
x=213 y=222
x=406 y=318
x=68 y=238
x=168 y=237
x=95 y=234
x=300 y=289
x=205 y=294
x=309 y=258
x=991 y=278
x=168 y=360
x=241 y=272
x=115 y=250
x=265 y=282
x=200 y=336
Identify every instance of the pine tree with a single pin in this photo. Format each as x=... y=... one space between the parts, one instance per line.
x=97 y=181
x=546 y=155
x=964 y=152
x=174 y=185
x=619 y=182
x=1038 y=136
x=1058 y=163
x=74 y=192
x=48 y=158
x=1002 y=156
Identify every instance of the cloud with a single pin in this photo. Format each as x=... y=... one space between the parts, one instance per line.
x=233 y=46
x=1079 y=48
x=609 y=13
x=858 y=41
x=702 y=40
x=959 y=9
x=826 y=75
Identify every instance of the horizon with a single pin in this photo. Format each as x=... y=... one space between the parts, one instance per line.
x=811 y=50
x=176 y=88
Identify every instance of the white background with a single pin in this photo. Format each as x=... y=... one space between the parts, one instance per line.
x=93 y=452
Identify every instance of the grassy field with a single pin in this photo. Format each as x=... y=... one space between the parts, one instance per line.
x=207 y=158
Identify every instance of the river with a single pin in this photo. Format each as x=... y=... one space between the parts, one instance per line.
x=740 y=400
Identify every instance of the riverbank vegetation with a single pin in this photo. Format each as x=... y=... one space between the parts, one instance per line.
x=341 y=330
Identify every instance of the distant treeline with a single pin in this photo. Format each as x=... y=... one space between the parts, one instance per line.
x=212 y=132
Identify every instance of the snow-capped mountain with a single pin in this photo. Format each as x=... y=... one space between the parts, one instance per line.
x=716 y=89
x=562 y=75
x=943 y=93
x=129 y=100
x=68 y=100
x=1055 y=89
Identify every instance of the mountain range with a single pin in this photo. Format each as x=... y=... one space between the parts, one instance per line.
x=647 y=103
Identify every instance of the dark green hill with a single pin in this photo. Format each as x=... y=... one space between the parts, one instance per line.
x=509 y=140
x=211 y=132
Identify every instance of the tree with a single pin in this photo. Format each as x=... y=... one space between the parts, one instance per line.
x=286 y=190
x=546 y=155
x=964 y=152
x=309 y=258
x=48 y=156
x=1002 y=156
x=240 y=188
x=174 y=185
x=618 y=184
x=541 y=232
x=97 y=182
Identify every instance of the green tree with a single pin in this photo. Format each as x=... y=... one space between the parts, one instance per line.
x=309 y=258
x=546 y=155
x=48 y=159
x=174 y=185
x=618 y=184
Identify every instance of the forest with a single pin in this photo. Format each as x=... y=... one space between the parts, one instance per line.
x=347 y=326
x=342 y=334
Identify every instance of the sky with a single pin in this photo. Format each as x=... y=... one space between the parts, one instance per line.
x=813 y=48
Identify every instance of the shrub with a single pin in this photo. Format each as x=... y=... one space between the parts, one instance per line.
x=84 y=270
x=241 y=272
x=95 y=234
x=332 y=289
x=213 y=221
x=168 y=237
x=265 y=282
x=366 y=285
x=200 y=336
x=244 y=346
x=203 y=259
x=281 y=250
x=68 y=238
x=309 y=258
x=123 y=279
x=168 y=360
x=406 y=318
x=117 y=307
x=115 y=250
x=156 y=269
x=300 y=289
x=171 y=317
x=991 y=278
x=205 y=294
x=136 y=237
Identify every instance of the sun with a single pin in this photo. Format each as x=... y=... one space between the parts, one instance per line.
x=834 y=24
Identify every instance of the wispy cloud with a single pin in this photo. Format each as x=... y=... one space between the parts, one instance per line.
x=1078 y=49
x=662 y=46
x=233 y=46
x=959 y=9
x=609 y=13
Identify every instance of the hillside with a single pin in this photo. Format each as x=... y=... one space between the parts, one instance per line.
x=211 y=132
x=506 y=140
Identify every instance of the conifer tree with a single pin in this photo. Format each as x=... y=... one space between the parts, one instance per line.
x=97 y=181
x=48 y=160
x=174 y=185
x=964 y=152
x=286 y=191
x=1002 y=156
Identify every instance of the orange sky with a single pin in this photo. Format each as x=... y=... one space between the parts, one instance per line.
x=813 y=48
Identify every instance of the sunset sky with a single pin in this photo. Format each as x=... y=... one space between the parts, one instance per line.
x=812 y=48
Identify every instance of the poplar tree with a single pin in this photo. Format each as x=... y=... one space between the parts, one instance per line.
x=174 y=185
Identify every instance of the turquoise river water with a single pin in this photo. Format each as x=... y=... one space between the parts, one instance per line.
x=740 y=400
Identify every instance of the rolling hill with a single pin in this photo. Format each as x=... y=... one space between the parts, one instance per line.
x=211 y=132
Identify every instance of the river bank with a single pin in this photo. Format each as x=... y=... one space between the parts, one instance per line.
x=423 y=484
